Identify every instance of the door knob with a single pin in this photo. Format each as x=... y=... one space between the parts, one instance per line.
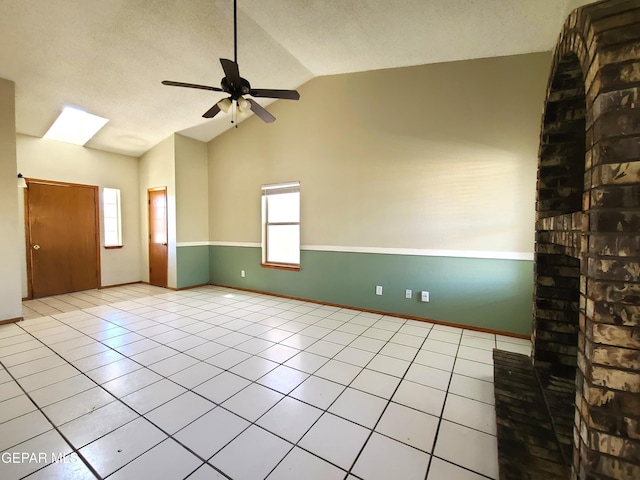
x=36 y=247
x=164 y=244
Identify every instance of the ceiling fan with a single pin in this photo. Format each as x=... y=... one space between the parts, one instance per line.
x=237 y=87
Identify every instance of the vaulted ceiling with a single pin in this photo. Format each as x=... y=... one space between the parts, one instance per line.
x=109 y=56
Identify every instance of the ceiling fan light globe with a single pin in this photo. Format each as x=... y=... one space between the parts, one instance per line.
x=243 y=112
x=225 y=105
x=243 y=103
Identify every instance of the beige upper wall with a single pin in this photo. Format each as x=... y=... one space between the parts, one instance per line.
x=64 y=162
x=10 y=297
x=573 y=4
x=176 y=160
x=157 y=169
x=192 y=185
x=429 y=157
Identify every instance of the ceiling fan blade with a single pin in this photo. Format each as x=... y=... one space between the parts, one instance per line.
x=260 y=111
x=270 y=93
x=191 y=85
x=212 y=112
x=231 y=71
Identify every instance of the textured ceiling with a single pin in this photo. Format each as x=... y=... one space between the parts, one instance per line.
x=109 y=56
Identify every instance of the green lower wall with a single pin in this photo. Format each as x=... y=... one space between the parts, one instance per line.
x=486 y=293
x=192 y=265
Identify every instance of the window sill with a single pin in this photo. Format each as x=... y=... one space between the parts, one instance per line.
x=113 y=247
x=281 y=266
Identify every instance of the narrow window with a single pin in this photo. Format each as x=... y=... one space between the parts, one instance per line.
x=281 y=225
x=111 y=216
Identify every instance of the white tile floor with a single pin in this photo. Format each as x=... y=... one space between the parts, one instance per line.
x=138 y=382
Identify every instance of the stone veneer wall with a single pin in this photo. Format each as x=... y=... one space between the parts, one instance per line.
x=587 y=269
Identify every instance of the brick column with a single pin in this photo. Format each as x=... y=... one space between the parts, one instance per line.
x=588 y=218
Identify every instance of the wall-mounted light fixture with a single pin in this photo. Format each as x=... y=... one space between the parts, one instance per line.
x=22 y=183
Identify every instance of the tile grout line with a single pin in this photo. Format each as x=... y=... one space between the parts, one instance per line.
x=85 y=375
x=387 y=406
x=140 y=415
x=158 y=406
x=254 y=423
x=441 y=418
x=326 y=410
x=280 y=364
x=55 y=427
x=167 y=378
x=444 y=403
x=256 y=355
x=41 y=409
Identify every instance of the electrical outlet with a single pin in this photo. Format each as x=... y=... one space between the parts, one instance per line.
x=378 y=289
x=242 y=273
x=408 y=293
x=424 y=296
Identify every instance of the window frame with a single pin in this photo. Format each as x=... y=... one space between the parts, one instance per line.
x=117 y=217
x=269 y=190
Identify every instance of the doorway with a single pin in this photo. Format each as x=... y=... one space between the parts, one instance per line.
x=62 y=236
x=158 y=238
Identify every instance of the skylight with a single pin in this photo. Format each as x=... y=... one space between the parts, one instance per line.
x=75 y=126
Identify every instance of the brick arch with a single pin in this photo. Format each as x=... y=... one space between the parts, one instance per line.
x=587 y=267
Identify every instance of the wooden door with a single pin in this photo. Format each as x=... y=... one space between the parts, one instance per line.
x=62 y=238
x=158 y=238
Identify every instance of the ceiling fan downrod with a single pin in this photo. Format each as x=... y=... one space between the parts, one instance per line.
x=235 y=32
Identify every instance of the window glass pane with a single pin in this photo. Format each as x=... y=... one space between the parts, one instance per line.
x=111 y=239
x=283 y=207
x=110 y=210
x=111 y=225
x=284 y=244
x=111 y=217
x=110 y=195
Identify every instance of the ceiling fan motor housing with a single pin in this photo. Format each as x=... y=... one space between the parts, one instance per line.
x=235 y=90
